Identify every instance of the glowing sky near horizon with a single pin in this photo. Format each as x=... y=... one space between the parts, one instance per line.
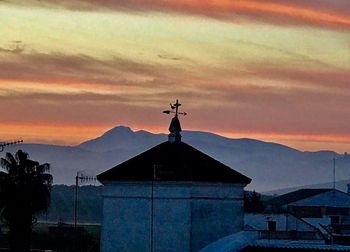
x=275 y=70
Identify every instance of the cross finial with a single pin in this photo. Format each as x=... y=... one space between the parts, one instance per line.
x=175 y=107
x=175 y=127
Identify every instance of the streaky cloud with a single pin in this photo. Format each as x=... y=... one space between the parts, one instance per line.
x=15 y=47
x=75 y=69
x=334 y=15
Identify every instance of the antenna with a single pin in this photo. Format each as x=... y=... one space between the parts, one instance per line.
x=85 y=179
x=4 y=144
x=175 y=107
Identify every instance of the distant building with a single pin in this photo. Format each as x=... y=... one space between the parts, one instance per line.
x=314 y=203
x=280 y=226
x=291 y=246
x=303 y=220
x=170 y=198
x=250 y=241
x=328 y=210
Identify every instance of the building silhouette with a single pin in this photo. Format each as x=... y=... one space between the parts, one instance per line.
x=172 y=197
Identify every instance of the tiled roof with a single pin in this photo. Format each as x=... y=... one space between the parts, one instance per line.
x=295 y=245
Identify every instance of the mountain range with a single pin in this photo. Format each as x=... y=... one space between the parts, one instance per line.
x=270 y=165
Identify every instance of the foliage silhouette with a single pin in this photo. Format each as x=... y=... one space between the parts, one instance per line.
x=25 y=187
x=253 y=202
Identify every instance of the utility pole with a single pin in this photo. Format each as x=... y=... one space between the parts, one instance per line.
x=80 y=177
x=333 y=172
x=152 y=208
x=154 y=179
x=76 y=200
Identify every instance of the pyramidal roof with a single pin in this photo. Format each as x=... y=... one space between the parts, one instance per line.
x=173 y=160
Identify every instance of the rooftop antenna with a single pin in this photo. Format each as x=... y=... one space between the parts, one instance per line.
x=5 y=144
x=83 y=179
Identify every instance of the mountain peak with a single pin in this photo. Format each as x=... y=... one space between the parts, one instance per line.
x=119 y=130
x=271 y=165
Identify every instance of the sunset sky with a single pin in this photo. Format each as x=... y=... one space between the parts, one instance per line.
x=275 y=70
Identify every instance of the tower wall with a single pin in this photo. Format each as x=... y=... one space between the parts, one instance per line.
x=186 y=216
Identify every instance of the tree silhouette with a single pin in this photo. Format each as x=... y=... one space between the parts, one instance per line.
x=253 y=202
x=25 y=187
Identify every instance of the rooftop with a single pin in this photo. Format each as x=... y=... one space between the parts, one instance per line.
x=173 y=161
x=296 y=245
x=297 y=195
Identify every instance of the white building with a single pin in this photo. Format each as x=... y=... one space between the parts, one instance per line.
x=170 y=198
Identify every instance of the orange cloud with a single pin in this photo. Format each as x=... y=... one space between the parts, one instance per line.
x=266 y=7
x=68 y=98
x=289 y=12
x=309 y=101
x=67 y=134
x=334 y=138
x=74 y=134
x=306 y=142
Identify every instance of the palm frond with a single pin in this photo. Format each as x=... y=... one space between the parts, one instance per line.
x=5 y=164
x=21 y=157
x=24 y=186
x=8 y=162
x=43 y=168
x=10 y=158
x=46 y=179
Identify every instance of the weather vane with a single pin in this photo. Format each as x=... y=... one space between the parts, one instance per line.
x=4 y=144
x=175 y=107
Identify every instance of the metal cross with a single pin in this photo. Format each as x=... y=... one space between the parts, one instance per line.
x=175 y=107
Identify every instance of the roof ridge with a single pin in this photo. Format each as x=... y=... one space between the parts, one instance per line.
x=177 y=161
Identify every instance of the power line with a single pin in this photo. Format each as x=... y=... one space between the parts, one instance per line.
x=5 y=144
